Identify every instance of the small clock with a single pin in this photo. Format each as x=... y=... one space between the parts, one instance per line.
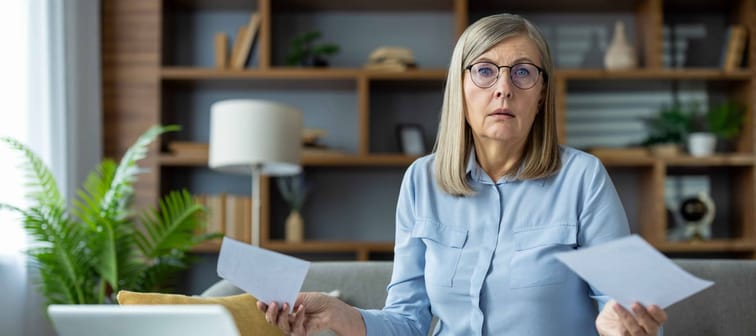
x=693 y=217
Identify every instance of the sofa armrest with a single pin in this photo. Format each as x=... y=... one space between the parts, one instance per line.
x=727 y=308
x=361 y=284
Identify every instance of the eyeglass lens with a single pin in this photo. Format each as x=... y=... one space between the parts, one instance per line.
x=523 y=75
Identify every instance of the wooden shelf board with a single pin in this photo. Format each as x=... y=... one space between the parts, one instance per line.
x=211 y=4
x=191 y=73
x=210 y=246
x=640 y=74
x=716 y=160
x=737 y=245
x=326 y=160
x=213 y=246
x=554 y=6
x=187 y=161
x=414 y=74
x=614 y=161
x=359 y=160
x=350 y=5
x=329 y=246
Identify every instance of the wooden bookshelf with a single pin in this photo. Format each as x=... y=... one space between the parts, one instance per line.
x=325 y=160
x=138 y=75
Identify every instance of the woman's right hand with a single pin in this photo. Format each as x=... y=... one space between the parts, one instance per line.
x=314 y=312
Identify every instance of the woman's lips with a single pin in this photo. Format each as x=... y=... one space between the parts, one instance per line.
x=502 y=113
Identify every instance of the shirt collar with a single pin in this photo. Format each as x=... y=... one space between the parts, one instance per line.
x=476 y=173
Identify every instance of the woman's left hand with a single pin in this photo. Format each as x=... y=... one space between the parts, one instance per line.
x=615 y=320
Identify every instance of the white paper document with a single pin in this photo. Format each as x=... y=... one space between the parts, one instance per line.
x=630 y=270
x=269 y=276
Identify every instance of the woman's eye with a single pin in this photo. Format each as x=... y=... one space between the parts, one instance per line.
x=485 y=72
x=522 y=72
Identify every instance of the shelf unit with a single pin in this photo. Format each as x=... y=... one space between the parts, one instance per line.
x=140 y=69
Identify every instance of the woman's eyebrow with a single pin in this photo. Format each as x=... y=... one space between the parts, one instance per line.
x=516 y=61
x=523 y=59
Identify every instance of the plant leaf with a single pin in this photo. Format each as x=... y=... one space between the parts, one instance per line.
x=175 y=229
x=113 y=207
x=40 y=183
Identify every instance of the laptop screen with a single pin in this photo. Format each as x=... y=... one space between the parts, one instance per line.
x=141 y=320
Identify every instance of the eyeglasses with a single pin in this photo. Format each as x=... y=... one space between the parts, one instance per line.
x=523 y=75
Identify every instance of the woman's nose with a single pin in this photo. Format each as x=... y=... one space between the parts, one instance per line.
x=503 y=85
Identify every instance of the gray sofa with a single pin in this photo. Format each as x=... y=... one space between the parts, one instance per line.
x=727 y=308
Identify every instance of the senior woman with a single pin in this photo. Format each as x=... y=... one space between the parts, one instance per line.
x=478 y=221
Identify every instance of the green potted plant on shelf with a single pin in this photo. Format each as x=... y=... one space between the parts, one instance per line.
x=726 y=120
x=305 y=52
x=667 y=130
x=87 y=251
x=699 y=138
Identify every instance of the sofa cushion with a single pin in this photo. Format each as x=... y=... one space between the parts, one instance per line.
x=727 y=308
x=249 y=320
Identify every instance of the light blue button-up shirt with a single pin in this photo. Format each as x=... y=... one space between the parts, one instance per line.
x=484 y=264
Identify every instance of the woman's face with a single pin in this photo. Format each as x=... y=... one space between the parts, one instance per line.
x=504 y=112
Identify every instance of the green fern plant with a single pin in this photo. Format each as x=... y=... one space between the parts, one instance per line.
x=86 y=254
x=305 y=52
x=726 y=119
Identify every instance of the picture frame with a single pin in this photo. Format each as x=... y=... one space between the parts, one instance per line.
x=411 y=139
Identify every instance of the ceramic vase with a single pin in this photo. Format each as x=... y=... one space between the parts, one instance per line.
x=620 y=55
x=294 y=227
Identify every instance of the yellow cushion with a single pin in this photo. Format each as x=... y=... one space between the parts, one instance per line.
x=249 y=320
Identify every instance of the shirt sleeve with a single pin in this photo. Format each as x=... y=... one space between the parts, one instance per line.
x=602 y=218
x=407 y=310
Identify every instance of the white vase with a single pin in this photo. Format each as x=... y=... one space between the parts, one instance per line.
x=701 y=144
x=620 y=55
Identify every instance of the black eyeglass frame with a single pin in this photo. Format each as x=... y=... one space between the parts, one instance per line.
x=541 y=71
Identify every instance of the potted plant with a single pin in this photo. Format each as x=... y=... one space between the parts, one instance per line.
x=87 y=251
x=700 y=140
x=726 y=121
x=294 y=191
x=305 y=52
x=667 y=130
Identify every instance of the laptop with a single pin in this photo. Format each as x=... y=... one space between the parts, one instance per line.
x=141 y=320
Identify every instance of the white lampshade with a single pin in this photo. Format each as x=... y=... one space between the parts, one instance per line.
x=246 y=133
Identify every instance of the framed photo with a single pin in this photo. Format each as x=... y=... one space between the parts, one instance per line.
x=411 y=139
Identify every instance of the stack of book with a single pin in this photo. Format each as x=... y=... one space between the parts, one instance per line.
x=240 y=52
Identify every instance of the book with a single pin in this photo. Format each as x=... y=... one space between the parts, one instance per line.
x=238 y=217
x=244 y=41
x=216 y=213
x=734 y=48
x=221 y=50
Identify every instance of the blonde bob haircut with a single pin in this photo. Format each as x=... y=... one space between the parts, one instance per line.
x=455 y=141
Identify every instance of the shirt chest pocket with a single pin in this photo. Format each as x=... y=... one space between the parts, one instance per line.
x=533 y=263
x=443 y=248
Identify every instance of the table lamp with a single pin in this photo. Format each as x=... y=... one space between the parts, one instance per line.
x=255 y=137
